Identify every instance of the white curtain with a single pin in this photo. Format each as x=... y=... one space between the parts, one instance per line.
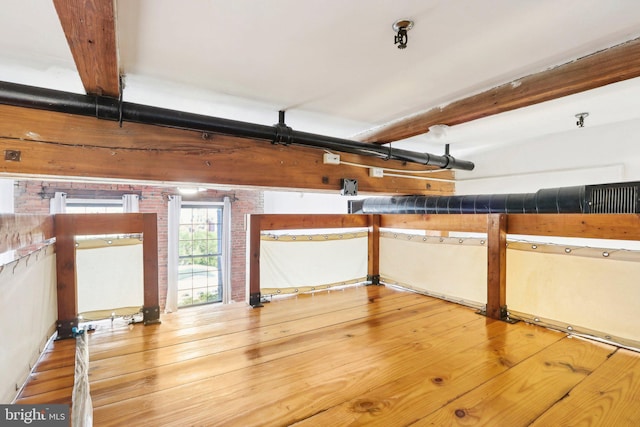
x=130 y=203
x=226 y=251
x=58 y=204
x=173 y=234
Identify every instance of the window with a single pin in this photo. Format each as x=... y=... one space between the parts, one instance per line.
x=76 y=206
x=200 y=253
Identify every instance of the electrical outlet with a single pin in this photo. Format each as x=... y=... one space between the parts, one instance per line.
x=376 y=172
x=331 y=159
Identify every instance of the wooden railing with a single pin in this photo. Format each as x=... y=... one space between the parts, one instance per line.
x=496 y=227
x=67 y=226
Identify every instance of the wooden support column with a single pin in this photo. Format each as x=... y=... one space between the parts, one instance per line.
x=254 y=261
x=497 y=266
x=151 y=309
x=67 y=226
x=373 y=270
x=66 y=275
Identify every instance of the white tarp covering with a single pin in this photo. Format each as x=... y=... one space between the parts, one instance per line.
x=290 y=263
x=586 y=289
x=109 y=276
x=28 y=312
x=450 y=268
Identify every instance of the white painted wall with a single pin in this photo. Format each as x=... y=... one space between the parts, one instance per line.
x=28 y=312
x=6 y=196
x=280 y=202
x=590 y=155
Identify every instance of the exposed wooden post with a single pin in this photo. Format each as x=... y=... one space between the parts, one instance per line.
x=254 y=261
x=66 y=275
x=373 y=271
x=67 y=226
x=151 y=309
x=497 y=266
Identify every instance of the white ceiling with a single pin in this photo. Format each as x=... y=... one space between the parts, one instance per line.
x=332 y=64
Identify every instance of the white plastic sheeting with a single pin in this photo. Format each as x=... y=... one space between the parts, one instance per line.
x=109 y=276
x=590 y=291
x=293 y=263
x=595 y=291
x=450 y=268
x=28 y=312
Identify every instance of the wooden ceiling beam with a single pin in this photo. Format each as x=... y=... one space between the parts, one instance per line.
x=51 y=144
x=90 y=29
x=618 y=63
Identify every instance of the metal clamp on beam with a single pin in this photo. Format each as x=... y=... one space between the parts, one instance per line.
x=65 y=328
x=504 y=314
x=151 y=315
x=284 y=134
x=255 y=300
x=373 y=279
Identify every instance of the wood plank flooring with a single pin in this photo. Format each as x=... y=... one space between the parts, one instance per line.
x=357 y=356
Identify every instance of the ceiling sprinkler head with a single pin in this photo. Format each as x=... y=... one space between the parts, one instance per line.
x=581 y=117
x=401 y=26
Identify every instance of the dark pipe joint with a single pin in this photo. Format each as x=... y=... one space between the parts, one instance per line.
x=284 y=134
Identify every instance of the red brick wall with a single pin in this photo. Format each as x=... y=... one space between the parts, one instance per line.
x=29 y=199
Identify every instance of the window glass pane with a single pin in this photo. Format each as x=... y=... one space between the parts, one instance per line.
x=186 y=215
x=96 y=206
x=93 y=207
x=200 y=235
x=213 y=246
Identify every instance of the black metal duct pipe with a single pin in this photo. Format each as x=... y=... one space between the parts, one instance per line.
x=112 y=109
x=550 y=200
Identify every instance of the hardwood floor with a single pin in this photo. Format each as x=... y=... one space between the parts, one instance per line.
x=363 y=355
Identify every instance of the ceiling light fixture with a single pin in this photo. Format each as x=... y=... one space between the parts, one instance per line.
x=401 y=26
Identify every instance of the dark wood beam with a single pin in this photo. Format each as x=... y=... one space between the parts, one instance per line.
x=304 y=221
x=497 y=266
x=373 y=243
x=590 y=226
x=453 y=222
x=621 y=62
x=254 y=296
x=90 y=29
x=58 y=144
